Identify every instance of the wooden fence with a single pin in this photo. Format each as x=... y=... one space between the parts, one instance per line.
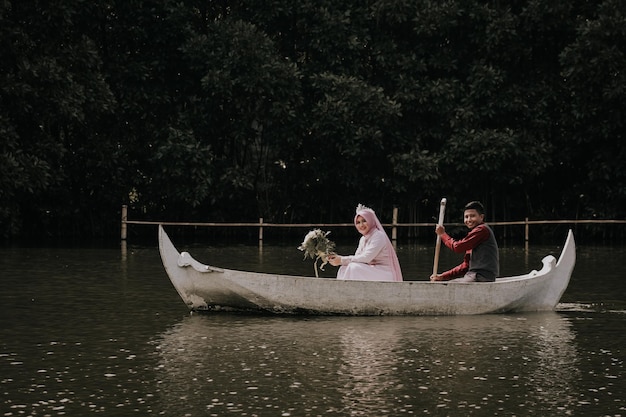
x=394 y=225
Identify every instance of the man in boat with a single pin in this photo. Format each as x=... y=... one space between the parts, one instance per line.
x=481 y=261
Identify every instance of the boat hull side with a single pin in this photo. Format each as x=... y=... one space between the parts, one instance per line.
x=207 y=288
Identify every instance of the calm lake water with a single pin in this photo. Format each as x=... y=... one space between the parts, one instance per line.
x=102 y=330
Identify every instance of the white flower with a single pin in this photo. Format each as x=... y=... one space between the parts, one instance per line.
x=316 y=245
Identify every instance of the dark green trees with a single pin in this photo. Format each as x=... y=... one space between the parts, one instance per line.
x=297 y=111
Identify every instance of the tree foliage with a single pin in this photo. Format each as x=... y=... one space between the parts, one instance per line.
x=297 y=111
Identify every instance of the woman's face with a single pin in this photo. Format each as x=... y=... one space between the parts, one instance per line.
x=361 y=225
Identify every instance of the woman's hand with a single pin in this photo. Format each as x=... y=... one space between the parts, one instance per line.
x=334 y=260
x=436 y=277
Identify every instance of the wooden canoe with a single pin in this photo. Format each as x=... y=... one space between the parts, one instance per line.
x=205 y=287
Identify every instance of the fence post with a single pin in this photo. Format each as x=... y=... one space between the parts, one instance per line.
x=260 y=229
x=124 y=219
x=526 y=229
x=394 y=224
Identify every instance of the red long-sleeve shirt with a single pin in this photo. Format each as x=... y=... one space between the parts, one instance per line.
x=476 y=236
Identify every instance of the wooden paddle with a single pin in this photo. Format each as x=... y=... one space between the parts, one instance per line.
x=442 y=211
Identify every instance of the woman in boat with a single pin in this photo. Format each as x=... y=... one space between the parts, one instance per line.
x=481 y=261
x=375 y=258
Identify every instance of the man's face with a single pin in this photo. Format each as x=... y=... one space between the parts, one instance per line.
x=472 y=218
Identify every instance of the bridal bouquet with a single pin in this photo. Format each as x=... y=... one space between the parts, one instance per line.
x=317 y=246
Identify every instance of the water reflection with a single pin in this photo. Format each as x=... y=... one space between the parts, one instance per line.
x=87 y=330
x=368 y=366
x=367 y=371
x=557 y=365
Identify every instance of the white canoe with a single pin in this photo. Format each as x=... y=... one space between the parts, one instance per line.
x=204 y=287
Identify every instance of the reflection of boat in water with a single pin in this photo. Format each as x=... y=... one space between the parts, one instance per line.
x=366 y=374
x=265 y=365
x=204 y=287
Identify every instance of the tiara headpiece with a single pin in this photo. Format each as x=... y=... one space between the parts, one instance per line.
x=361 y=207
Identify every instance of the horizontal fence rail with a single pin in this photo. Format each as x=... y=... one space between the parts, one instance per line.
x=261 y=225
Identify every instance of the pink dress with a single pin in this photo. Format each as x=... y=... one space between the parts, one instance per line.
x=373 y=260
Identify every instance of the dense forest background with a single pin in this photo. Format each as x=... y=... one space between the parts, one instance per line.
x=296 y=111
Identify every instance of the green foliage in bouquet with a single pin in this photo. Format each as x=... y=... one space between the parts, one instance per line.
x=317 y=246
